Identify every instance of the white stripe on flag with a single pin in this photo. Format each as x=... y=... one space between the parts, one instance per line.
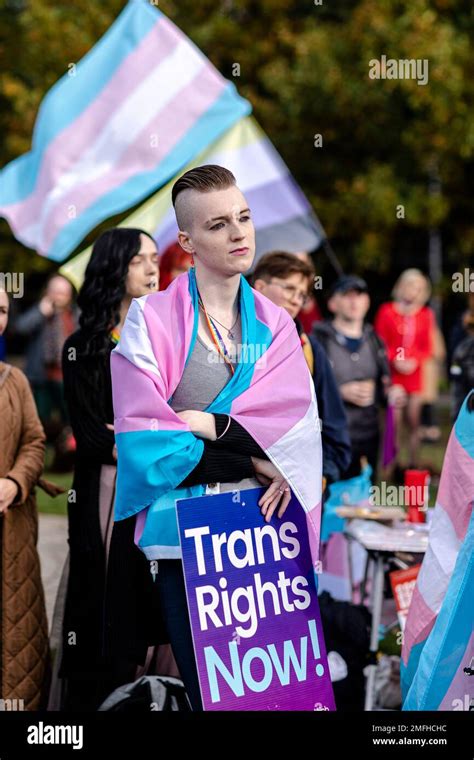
x=135 y=344
x=145 y=102
x=305 y=436
x=439 y=561
x=254 y=164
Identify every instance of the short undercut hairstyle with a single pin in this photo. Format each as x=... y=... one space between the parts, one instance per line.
x=203 y=179
x=281 y=264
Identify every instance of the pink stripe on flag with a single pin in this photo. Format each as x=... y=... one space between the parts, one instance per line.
x=452 y=492
x=171 y=124
x=140 y=521
x=63 y=151
x=177 y=320
x=264 y=394
x=136 y=394
x=136 y=424
x=336 y=556
x=420 y=621
x=267 y=312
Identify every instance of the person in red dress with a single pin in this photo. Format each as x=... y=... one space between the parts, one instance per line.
x=173 y=262
x=407 y=327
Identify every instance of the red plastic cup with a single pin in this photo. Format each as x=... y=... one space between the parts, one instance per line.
x=416 y=494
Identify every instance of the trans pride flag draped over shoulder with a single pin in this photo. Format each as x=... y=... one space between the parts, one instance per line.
x=439 y=633
x=271 y=394
x=125 y=120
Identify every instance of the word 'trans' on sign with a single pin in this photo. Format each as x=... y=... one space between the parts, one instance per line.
x=253 y=605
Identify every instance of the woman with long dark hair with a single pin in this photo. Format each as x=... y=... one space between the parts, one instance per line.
x=123 y=266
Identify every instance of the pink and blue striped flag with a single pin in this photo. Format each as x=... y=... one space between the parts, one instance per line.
x=438 y=650
x=125 y=120
x=271 y=395
x=282 y=215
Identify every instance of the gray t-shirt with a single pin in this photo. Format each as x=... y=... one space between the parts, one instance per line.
x=204 y=376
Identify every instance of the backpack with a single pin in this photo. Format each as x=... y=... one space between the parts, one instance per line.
x=346 y=629
x=148 y=694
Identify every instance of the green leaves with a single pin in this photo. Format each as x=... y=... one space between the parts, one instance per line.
x=305 y=68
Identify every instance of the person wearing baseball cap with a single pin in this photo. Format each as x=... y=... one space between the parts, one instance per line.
x=359 y=361
x=348 y=282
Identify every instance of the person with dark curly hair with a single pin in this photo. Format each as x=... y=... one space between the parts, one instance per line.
x=123 y=266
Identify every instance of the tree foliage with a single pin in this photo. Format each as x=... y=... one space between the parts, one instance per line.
x=386 y=143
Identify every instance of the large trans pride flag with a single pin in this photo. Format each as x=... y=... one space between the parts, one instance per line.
x=281 y=213
x=439 y=635
x=121 y=123
x=271 y=394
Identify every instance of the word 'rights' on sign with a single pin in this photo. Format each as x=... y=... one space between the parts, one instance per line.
x=253 y=605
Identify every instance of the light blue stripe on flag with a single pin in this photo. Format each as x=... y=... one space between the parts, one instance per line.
x=441 y=656
x=228 y=109
x=71 y=95
x=89 y=161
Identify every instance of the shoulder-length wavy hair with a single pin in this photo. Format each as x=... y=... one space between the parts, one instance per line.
x=103 y=289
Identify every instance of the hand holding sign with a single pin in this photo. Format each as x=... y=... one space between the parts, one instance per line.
x=278 y=492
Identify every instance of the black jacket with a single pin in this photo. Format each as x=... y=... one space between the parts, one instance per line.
x=334 y=433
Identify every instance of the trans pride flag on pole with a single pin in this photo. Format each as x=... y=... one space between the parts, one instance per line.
x=271 y=394
x=134 y=111
x=282 y=215
x=439 y=633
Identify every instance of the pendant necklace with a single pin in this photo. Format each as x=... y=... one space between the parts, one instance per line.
x=216 y=336
x=230 y=334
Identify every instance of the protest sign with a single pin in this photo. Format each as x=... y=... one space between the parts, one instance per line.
x=403 y=584
x=253 y=605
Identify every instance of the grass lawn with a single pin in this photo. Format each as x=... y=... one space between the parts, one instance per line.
x=57 y=505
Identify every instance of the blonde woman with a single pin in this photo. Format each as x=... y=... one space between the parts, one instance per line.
x=407 y=326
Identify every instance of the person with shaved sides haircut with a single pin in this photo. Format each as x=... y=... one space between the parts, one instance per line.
x=223 y=387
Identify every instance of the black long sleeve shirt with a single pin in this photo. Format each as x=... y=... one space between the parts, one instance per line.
x=227 y=459
x=88 y=394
